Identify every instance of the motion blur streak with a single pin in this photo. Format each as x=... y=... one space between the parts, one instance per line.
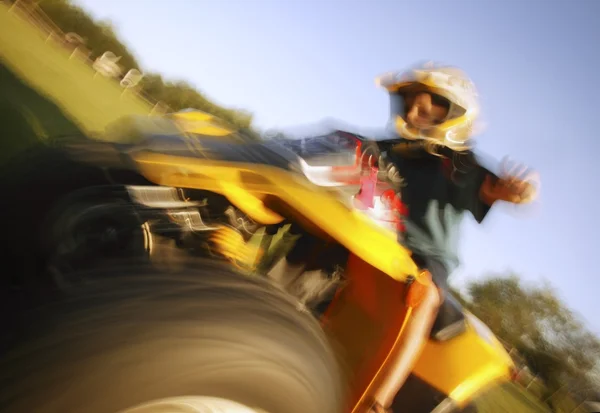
x=138 y=334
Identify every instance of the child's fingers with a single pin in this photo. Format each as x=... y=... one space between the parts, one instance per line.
x=512 y=168
x=531 y=181
x=507 y=167
x=526 y=191
x=515 y=190
x=515 y=174
x=519 y=171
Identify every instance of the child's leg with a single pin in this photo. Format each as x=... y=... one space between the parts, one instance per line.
x=415 y=336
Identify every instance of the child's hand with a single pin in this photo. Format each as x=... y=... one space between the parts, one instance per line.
x=515 y=186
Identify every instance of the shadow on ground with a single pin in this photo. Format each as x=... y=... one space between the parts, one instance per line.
x=28 y=119
x=33 y=173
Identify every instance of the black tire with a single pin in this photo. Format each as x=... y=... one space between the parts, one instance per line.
x=89 y=233
x=141 y=334
x=32 y=183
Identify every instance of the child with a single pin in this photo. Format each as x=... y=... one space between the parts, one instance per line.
x=433 y=109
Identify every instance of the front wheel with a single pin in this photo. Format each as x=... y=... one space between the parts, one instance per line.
x=451 y=408
x=192 y=404
x=141 y=340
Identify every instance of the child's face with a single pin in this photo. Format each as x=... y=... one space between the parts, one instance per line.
x=424 y=109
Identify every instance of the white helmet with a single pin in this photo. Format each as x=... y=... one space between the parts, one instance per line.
x=451 y=84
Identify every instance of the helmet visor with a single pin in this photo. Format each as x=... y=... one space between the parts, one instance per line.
x=442 y=109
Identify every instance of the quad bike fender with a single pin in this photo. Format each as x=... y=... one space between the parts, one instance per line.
x=465 y=365
x=368 y=316
x=249 y=185
x=366 y=322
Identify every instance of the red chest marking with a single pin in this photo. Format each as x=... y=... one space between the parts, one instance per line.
x=447 y=167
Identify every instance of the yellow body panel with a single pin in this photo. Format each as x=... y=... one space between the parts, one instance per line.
x=365 y=322
x=201 y=123
x=366 y=239
x=368 y=316
x=466 y=364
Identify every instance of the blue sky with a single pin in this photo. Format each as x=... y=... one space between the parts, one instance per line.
x=296 y=62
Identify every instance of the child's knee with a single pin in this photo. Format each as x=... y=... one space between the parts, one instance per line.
x=432 y=300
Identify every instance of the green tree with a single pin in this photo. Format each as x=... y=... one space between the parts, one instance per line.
x=180 y=95
x=553 y=340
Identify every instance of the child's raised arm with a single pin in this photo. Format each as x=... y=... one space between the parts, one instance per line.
x=515 y=186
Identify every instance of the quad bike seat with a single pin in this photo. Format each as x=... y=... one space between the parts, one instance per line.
x=450 y=321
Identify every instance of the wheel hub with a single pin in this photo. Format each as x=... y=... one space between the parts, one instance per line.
x=190 y=404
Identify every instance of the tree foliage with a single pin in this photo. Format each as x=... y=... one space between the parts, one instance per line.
x=180 y=95
x=100 y=36
x=553 y=340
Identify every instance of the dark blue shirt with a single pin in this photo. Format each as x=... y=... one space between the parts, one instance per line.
x=437 y=192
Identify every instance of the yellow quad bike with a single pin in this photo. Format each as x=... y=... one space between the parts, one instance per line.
x=165 y=299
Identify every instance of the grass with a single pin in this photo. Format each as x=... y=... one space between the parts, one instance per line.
x=83 y=101
x=44 y=93
x=27 y=118
x=510 y=398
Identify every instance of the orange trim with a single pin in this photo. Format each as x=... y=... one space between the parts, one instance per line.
x=362 y=399
x=418 y=290
x=390 y=343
